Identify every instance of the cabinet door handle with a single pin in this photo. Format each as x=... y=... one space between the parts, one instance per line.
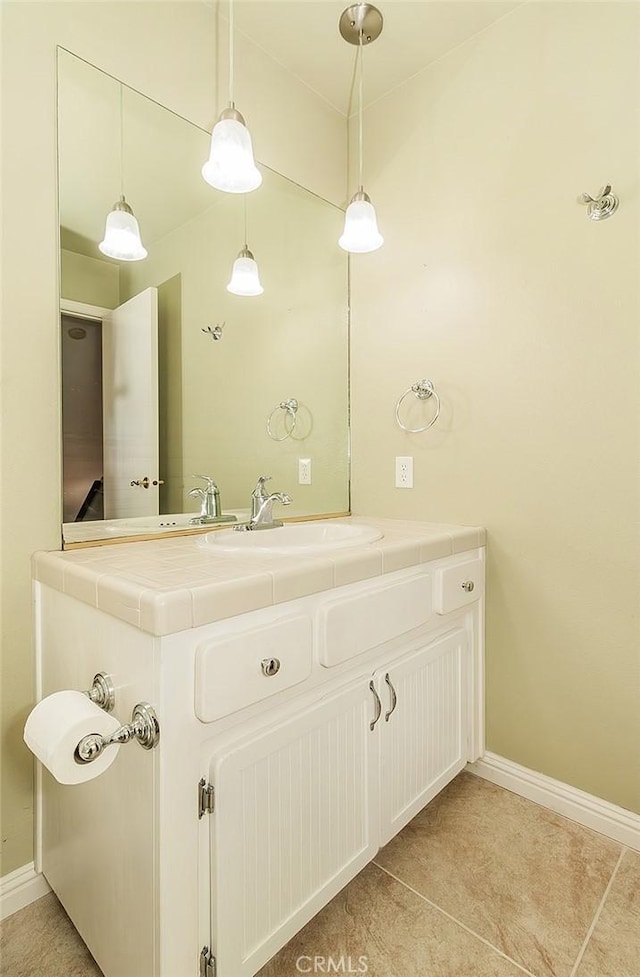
x=394 y=697
x=378 y=705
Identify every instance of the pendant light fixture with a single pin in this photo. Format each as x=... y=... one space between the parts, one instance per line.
x=122 y=233
x=360 y=24
x=245 y=277
x=231 y=166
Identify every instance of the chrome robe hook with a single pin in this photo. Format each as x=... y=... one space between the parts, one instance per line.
x=602 y=206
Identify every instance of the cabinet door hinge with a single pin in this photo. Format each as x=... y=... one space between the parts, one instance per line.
x=206 y=800
x=207 y=963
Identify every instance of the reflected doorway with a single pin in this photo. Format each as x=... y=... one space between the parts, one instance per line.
x=82 y=419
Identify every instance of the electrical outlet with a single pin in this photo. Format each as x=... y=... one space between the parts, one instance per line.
x=304 y=471
x=404 y=472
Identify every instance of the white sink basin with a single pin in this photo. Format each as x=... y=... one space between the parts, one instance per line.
x=299 y=538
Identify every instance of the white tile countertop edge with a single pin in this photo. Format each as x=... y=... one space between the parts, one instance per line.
x=168 y=585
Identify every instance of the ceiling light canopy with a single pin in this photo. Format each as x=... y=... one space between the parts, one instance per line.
x=360 y=24
x=231 y=166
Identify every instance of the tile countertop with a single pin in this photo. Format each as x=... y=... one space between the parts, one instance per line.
x=168 y=585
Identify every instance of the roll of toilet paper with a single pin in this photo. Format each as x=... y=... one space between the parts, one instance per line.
x=55 y=727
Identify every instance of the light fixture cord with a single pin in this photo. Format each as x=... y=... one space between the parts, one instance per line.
x=360 y=112
x=231 y=33
x=121 y=140
x=246 y=223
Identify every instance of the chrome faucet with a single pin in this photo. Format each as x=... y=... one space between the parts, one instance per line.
x=262 y=507
x=210 y=505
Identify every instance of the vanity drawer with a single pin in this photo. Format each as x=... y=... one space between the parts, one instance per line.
x=235 y=671
x=350 y=626
x=459 y=585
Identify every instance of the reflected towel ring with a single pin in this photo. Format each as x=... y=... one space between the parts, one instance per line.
x=290 y=407
x=423 y=390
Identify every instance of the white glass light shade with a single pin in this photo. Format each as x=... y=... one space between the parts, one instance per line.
x=231 y=166
x=122 y=235
x=245 y=277
x=360 y=233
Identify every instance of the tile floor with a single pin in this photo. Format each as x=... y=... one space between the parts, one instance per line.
x=482 y=883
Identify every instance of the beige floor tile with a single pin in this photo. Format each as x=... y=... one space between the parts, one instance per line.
x=614 y=947
x=523 y=878
x=395 y=931
x=41 y=941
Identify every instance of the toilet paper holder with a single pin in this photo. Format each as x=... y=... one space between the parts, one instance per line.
x=144 y=727
x=102 y=692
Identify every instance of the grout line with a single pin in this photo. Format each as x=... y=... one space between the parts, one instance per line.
x=594 y=921
x=456 y=921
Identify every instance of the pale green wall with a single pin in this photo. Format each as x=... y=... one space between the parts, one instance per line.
x=493 y=283
x=89 y=280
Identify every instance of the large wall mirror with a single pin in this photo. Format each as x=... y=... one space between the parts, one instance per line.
x=165 y=373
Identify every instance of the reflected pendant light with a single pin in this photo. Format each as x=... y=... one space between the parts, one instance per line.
x=360 y=24
x=245 y=277
x=122 y=233
x=231 y=166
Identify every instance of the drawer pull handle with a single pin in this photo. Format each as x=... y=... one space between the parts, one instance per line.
x=378 y=706
x=394 y=697
x=270 y=666
x=468 y=585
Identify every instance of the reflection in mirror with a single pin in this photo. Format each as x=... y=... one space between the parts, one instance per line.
x=166 y=375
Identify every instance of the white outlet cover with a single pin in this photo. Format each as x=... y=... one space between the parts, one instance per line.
x=404 y=471
x=304 y=471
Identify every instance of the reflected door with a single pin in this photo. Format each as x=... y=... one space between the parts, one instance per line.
x=130 y=407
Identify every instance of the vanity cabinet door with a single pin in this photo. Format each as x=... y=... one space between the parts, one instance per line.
x=295 y=819
x=422 y=728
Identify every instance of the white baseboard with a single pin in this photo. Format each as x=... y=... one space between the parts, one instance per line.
x=19 y=888
x=592 y=812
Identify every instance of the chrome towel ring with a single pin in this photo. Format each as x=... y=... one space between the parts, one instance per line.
x=290 y=407
x=423 y=390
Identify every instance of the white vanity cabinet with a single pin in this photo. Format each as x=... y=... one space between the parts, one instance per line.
x=295 y=741
x=294 y=821
x=423 y=731
x=301 y=806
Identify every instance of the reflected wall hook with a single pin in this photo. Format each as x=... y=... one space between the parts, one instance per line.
x=215 y=332
x=602 y=206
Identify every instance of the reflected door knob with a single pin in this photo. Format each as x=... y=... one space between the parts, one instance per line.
x=145 y=483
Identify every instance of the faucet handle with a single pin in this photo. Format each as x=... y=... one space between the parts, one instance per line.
x=259 y=489
x=211 y=485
